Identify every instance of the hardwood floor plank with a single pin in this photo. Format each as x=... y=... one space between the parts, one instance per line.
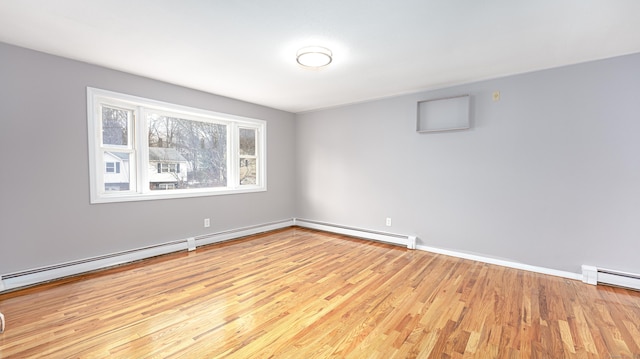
x=299 y=293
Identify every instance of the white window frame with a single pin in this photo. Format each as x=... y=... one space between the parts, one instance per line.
x=139 y=148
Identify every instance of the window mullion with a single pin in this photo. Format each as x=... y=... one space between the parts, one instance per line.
x=100 y=172
x=233 y=161
x=261 y=173
x=142 y=150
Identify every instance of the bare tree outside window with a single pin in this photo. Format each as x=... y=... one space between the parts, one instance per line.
x=247 y=141
x=115 y=126
x=248 y=163
x=203 y=145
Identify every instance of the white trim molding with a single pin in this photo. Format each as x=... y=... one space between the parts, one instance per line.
x=399 y=239
x=410 y=242
x=590 y=274
x=33 y=276
x=502 y=262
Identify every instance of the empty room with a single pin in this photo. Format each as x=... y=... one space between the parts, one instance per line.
x=330 y=179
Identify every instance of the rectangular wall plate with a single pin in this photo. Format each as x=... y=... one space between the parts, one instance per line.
x=444 y=114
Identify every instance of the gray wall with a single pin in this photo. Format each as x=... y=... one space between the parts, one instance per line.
x=548 y=176
x=45 y=215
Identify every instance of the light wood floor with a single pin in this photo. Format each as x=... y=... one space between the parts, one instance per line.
x=298 y=293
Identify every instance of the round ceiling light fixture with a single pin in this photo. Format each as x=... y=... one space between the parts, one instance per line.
x=314 y=56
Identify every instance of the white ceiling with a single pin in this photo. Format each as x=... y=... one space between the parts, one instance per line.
x=245 y=49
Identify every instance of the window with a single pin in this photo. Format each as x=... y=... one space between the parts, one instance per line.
x=113 y=167
x=144 y=149
x=169 y=167
x=248 y=155
x=166 y=186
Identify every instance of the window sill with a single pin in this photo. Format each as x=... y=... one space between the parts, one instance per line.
x=173 y=194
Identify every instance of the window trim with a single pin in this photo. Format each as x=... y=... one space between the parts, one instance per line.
x=139 y=185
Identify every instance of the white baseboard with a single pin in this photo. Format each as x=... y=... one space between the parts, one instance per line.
x=30 y=277
x=399 y=239
x=590 y=275
x=406 y=240
x=501 y=262
x=33 y=276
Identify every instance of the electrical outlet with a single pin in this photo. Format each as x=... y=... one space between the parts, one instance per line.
x=388 y=222
x=207 y=223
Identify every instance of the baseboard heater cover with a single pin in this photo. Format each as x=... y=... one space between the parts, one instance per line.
x=411 y=243
x=48 y=273
x=241 y=232
x=393 y=238
x=15 y=280
x=596 y=275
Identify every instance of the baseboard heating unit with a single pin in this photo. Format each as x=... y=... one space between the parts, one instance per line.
x=15 y=280
x=597 y=275
x=393 y=238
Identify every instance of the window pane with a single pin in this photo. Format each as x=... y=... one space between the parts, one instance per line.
x=247 y=171
x=186 y=153
x=247 y=142
x=115 y=123
x=117 y=167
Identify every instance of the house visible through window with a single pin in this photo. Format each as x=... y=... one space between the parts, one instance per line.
x=144 y=146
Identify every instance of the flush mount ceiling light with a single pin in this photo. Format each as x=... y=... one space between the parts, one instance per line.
x=314 y=56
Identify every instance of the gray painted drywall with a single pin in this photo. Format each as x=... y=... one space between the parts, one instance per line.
x=45 y=215
x=548 y=176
